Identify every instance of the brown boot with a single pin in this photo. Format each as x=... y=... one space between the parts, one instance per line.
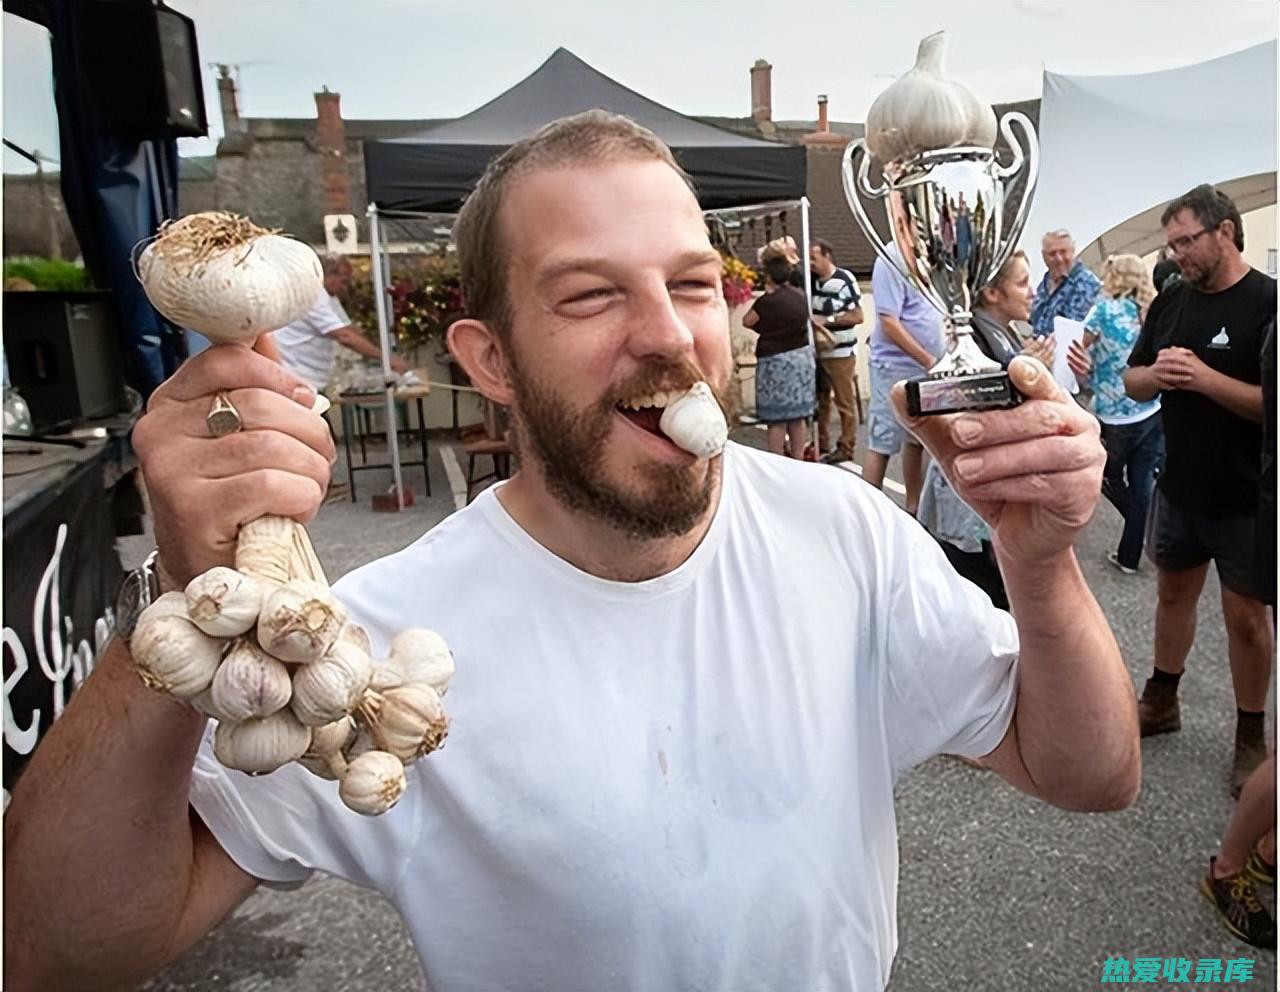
x=1158 y=711
x=1251 y=748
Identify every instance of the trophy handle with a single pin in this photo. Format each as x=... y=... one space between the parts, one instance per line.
x=853 y=186
x=1031 y=161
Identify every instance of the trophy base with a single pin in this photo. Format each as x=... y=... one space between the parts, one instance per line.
x=958 y=393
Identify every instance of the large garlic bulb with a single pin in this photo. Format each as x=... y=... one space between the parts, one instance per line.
x=300 y=621
x=261 y=745
x=172 y=654
x=250 y=683
x=696 y=423
x=227 y=278
x=373 y=783
x=925 y=110
x=422 y=655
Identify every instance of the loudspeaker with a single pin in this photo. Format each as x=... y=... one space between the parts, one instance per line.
x=63 y=353
x=146 y=67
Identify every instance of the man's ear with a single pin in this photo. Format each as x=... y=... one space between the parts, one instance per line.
x=477 y=349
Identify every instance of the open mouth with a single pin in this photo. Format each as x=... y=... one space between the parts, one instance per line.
x=646 y=411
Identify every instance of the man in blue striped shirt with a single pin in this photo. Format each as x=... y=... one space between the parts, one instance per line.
x=836 y=308
x=1068 y=289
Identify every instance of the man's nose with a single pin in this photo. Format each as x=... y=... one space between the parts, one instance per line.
x=659 y=327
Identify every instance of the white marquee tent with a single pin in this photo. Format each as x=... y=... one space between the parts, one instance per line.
x=1115 y=149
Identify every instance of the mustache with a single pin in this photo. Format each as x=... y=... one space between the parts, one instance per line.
x=656 y=376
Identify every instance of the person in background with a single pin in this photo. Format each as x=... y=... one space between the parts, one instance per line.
x=1131 y=430
x=837 y=309
x=964 y=536
x=1248 y=852
x=784 y=359
x=1167 y=273
x=309 y=345
x=905 y=343
x=1068 y=289
x=1200 y=352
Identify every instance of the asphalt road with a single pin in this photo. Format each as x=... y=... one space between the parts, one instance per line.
x=997 y=892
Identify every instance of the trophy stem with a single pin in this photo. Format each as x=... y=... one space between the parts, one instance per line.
x=965 y=357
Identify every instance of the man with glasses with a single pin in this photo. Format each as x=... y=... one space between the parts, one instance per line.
x=1200 y=349
x=1068 y=289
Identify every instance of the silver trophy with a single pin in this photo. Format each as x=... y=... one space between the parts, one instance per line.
x=946 y=200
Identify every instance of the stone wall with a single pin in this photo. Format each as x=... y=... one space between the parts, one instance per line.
x=26 y=225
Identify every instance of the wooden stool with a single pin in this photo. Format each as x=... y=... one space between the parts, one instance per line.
x=498 y=449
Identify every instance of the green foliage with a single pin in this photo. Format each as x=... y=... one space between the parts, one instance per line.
x=48 y=273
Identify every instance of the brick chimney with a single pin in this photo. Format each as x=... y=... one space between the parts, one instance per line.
x=231 y=122
x=822 y=134
x=331 y=145
x=762 y=92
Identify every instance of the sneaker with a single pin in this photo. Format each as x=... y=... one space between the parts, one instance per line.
x=1158 y=710
x=1119 y=565
x=1239 y=908
x=1261 y=869
x=1249 y=754
x=837 y=457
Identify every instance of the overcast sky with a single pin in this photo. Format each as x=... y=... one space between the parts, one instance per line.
x=417 y=59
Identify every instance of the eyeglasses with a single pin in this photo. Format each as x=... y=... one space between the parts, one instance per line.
x=1177 y=246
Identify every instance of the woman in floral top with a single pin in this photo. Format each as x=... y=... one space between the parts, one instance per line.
x=1131 y=431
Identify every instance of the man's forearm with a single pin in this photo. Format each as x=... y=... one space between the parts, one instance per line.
x=1239 y=397
x=1076 y=718
x=1140 y=383
x=98 y=838
x=358 y=343
x=901 y=337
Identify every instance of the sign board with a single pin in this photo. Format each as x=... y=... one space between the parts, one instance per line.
x=341 y=236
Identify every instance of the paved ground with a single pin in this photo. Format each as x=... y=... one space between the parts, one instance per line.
x=997 y=892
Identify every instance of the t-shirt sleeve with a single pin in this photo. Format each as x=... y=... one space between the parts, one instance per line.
x=282 y=826
x=949 y=656
x=1144 y=349
x=889 y=290
x=331 y=317
x=1095 y=319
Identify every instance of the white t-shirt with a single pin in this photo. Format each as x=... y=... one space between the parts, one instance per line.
x=306 y=349
x=680 y=783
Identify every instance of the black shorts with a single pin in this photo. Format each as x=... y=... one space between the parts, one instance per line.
x=1178 y=539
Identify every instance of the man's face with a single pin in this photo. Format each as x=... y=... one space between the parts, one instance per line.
x=819 y=262
x=1013 y=297
x=1199 y=255
x=1058 y=255
x=616 y=297
x=336 y=281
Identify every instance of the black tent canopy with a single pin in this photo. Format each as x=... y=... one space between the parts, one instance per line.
x=434 y=171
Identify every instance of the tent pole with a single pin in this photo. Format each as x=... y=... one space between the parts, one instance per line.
x=808 y=295
x=384 y=340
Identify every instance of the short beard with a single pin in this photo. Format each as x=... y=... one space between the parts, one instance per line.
x=568 y=444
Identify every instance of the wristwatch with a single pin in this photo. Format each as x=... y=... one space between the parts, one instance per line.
x=138 y=590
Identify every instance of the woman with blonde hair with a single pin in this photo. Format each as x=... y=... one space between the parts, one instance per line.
x=1131 y=430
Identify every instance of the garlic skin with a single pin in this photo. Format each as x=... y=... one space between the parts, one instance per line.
x=925 y=110
x=264 y=548
x=223 y=602
x=423 y=656
x=357 y=635
x=300 y=621
x=261 y=745
x=239 y=293
x=329 y=689
x=696 y=423
x=204 y=704
x=171 y=654
x=250 y=683
x=324 y=757
x=407 y=721
x=373 y=783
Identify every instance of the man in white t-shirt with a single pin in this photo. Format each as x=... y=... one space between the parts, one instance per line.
x=667 y=770
x=309 y=344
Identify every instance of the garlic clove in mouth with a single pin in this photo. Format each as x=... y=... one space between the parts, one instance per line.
x=695 y=422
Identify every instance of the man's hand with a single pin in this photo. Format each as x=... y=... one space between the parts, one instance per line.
x=399 y=365
x=1079 y=360
x=1181 y=368
x=202 y=488
x=1033 y=473
x=1041 y=349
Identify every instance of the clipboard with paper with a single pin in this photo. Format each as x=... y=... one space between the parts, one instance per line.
x=1065 y=333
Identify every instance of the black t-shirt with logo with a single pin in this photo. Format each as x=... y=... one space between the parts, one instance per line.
x=1212 y=456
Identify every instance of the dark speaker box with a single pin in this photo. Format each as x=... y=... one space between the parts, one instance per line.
x=146 y=67
x=63 y=353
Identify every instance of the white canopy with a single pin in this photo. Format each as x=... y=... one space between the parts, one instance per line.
x=1116 y=149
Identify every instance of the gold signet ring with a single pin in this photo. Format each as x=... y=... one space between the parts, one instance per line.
x=223 y=418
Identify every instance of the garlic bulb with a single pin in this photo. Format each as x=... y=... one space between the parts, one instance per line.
x=250 y=683
x=170 y=653
x=261 y=745
x=205 y=704
x=696 y=423
x=407 y=721
x=324 y=757
x=300 y=621
x=926 y=110
x=357 y=635
x=373 y=783
x=227 y=278
x=223 y=602
x=328 y=689
x=423 y=656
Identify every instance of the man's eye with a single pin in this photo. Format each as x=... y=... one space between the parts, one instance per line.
x=695 y=284
x=590 y=294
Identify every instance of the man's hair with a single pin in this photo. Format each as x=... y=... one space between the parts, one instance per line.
x=334 y=265
x=824 y=247
x=589 y=138
x=1061 y=232
x=1211 y=207
x=778 y=269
